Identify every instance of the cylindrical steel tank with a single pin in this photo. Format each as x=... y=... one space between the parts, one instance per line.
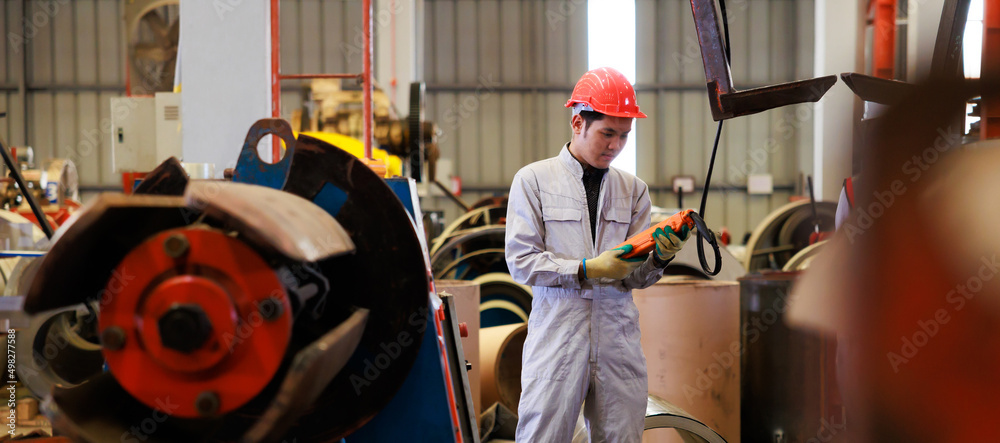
x=691 y=339
x=500 y=354
x=788 y=375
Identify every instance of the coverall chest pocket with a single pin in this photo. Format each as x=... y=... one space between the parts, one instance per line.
x=617 y=219
x=563 y=229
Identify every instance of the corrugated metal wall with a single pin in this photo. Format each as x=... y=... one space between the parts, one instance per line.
x=318 y=36
x=73 y=53
x=498 y=73
x=70 y=54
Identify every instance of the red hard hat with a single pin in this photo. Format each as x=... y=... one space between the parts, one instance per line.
x=607 y=91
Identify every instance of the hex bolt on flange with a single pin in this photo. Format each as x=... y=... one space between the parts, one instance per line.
x=207 y=403
x=184 y=328
x=113 y=338
x=176 y=246
x=270 y=308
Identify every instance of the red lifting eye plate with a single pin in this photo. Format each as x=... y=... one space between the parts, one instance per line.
x=194 y=318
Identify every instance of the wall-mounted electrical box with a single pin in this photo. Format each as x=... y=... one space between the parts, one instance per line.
x=145 y=131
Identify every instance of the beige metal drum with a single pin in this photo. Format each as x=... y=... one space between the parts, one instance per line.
x=691 y=339
x=801 y=260
x=466 y=295
x=500 y=353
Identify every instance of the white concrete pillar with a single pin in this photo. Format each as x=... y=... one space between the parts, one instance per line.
x=225 y=76
x=924 y=18
x=398 y=47
x=837 y=46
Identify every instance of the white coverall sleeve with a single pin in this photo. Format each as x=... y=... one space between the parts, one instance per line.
x=648 y=273
x=528 y=261
x=843 y=208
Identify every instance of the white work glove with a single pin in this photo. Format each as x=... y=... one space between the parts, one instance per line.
x=668 y=244
x=610 y=265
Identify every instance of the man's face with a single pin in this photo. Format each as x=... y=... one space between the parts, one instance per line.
x=599 y=144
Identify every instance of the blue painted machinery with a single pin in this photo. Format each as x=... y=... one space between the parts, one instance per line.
x=432 y=403
x=370 y=353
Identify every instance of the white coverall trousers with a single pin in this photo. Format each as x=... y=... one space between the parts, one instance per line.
x=581 y=350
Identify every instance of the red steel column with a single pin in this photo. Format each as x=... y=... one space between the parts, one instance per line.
x=275 y=76
x=884 y=39
x=990 y=108
x=366 y=6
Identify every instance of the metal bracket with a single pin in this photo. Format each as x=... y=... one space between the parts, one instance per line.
x=725 y=100
x=250 y=168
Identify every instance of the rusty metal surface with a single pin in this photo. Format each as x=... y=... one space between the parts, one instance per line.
x=386 y=275
x=726 y=105
x=291 y=225
x=169 y=178
x=87 y=248
x=310 y=372
x=724 y=99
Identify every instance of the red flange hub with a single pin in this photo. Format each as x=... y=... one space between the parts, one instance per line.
x=194 y=319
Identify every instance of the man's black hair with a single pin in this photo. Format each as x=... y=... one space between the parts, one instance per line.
x=590 y=117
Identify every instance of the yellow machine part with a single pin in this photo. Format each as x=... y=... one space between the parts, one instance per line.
x=394 y=164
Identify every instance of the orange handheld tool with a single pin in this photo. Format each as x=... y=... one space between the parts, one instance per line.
x=643 y=242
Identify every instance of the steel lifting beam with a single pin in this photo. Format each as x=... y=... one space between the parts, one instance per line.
x=946 y=62
x=724 y=99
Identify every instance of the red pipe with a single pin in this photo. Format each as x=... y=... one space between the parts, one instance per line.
x=309 y=76
x=366 y=6
x=275 y=77
x=884 y=39
x=989 y=125
x=366 y=76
